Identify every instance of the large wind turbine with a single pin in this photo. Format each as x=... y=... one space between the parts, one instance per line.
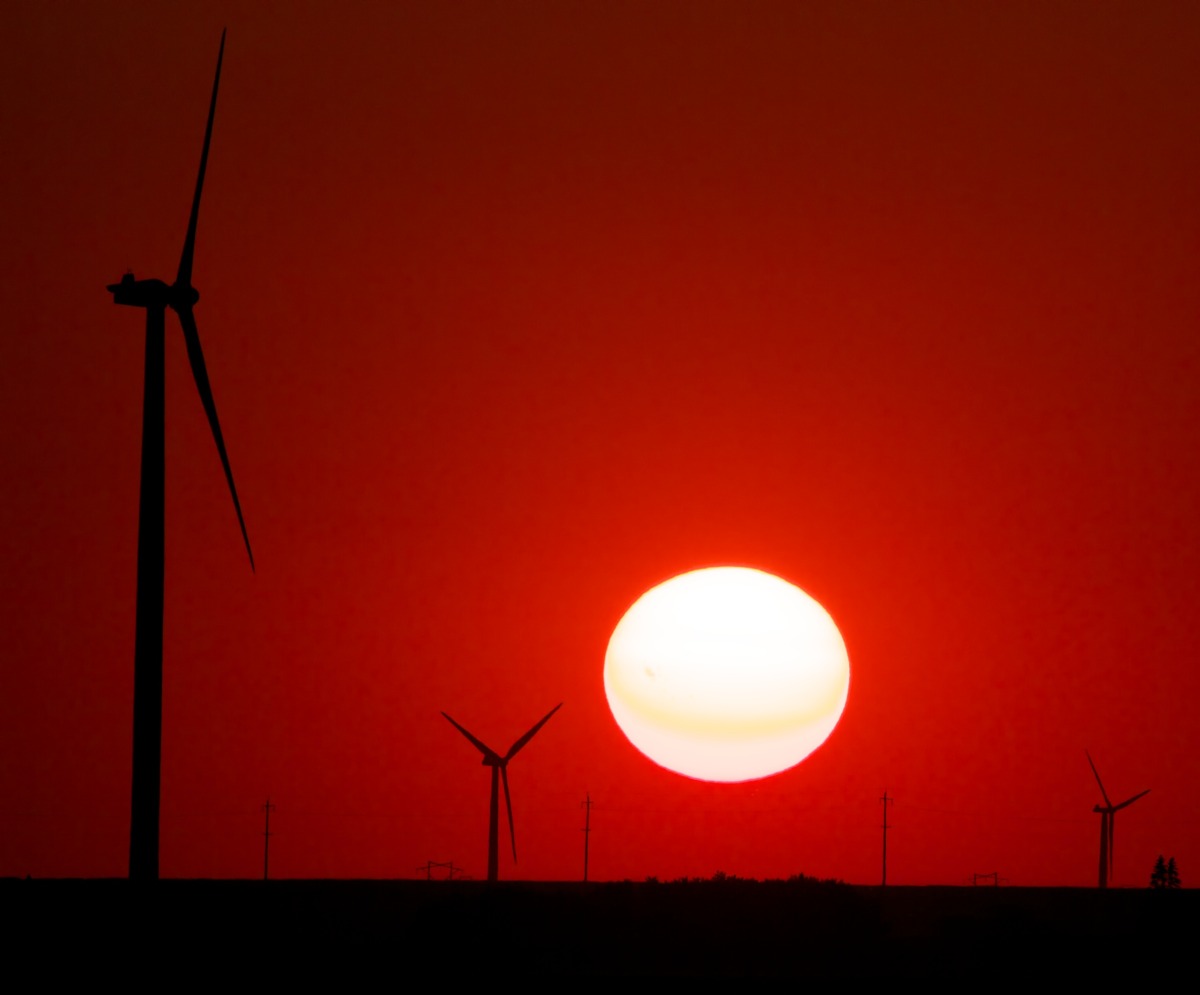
x=156 y=296
x=499 y=765
x=1107 y=813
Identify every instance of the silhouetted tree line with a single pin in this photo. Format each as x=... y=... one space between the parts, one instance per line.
x=721 y=878
x=1165 y=874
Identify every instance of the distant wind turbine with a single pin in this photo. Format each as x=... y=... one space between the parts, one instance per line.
x=499 y=765
x=155 y=297
x=1107 y=813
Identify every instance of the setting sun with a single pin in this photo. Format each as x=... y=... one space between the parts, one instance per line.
x=726 y=674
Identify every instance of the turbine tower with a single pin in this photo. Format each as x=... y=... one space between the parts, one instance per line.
x=499 y=765
x=1107 y=813
x=155 y=297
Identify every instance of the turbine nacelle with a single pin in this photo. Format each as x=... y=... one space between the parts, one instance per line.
x=132 y=292
x=154 y=293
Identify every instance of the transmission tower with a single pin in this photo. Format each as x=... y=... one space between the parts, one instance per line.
x=447 y=866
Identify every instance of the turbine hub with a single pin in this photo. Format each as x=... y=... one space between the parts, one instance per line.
x=184 y=297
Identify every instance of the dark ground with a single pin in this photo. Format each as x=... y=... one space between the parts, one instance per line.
x=805 y=929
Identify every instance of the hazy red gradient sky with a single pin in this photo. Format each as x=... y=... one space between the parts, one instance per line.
x=513 y=311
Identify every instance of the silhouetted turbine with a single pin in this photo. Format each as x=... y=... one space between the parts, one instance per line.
x=499 y=765
x=1107 y=813
x=155 y=296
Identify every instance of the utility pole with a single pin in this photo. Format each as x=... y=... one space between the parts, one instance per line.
x=886 y=801
x=267 y=839
x=587 y=832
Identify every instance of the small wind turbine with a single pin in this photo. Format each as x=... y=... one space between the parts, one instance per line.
x=499 y=765
x=1107 y=811
x=155 y=296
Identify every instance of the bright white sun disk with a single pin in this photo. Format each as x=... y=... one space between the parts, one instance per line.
x=726 y=674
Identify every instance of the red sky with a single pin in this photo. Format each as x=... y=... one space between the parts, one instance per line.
x=513 y=311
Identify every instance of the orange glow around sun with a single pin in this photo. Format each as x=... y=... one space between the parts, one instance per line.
x=726 y=674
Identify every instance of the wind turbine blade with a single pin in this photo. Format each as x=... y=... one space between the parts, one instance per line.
x=191 y=336
x=512 y=833
x=184 y=277
x=1130 y=801
x=480 y=746
x=1098 y=781
x=512 y=750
